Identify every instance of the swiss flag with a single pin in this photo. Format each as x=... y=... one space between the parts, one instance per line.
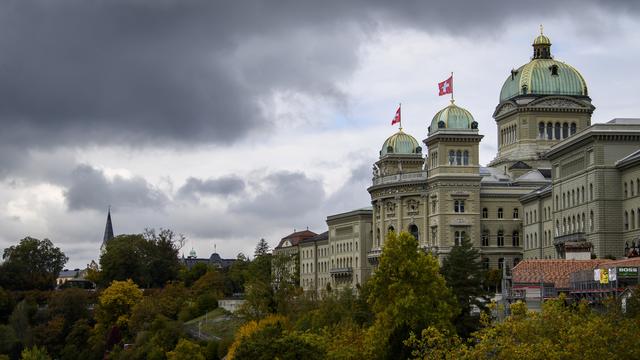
x=396 y=119
x=446 y=87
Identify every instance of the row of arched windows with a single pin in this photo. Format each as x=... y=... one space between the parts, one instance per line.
x=631 y=186
x=509 y=135
x=343 y=262
x=458 y=157
x=574 y=197
x=531 y=240
x=630 y=219
x=558 y=131
x=574 y=224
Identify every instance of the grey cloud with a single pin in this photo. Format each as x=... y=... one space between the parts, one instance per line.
x=90 y=189
x=179 y=72
x=283 y=195
x=224 y=186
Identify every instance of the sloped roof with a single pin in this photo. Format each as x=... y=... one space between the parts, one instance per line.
x=319 y=237
x=520 y=165
x=552 y=271
x=493 y=175
x=296 y=237
x=629 y=159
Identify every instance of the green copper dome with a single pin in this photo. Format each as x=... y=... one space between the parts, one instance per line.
x=452 y=117
x=543 y=75
x=400 y=143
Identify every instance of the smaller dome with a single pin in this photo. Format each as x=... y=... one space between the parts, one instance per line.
x=453 y=117
x=192 y=253
x=400 y=143
x=541 y=40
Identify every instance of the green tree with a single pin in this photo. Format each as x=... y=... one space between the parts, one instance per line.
x=262 y=248
x=462 y=270
x=259 y=294
x=32 y=264
x=69 y=304
x=149 y=259
x=186 y=350
x=8 y=340
x=285 y=270
x=35 y=353
x=407 y=294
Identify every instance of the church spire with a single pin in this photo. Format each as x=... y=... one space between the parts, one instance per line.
x=108 y=230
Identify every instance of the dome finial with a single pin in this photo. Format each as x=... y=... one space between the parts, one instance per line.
x=541 y=30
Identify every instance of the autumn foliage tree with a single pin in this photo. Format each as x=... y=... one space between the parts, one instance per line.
x=407 y=294
x=32 y=264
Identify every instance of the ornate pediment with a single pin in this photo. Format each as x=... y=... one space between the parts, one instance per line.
x=558 y=103
x=508 y=107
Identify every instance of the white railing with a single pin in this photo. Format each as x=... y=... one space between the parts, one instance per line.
x=389 y=179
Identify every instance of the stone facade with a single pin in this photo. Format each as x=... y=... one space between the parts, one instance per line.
x=559 y=187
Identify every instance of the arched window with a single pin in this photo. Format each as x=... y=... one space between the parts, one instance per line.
x=626 y=220
x=515 y=213
x=633 y=219
x=582 y=223
x=549 y=131
x=582 y=199
x=535 y=240
x=573 y=128
x=413 y=229
x=557 y=207
x=541 y=130
x=557 y=131
x=391 y=229
x=573 y=197
x=465 y=158
x=500 y=238
x=515 y=237
x=485 y=238
x=485 y=213
x=625 y=190
x=591 y=224
x=591 y=192
x=565 y=130
x=557 y=227
x=500 y=213
x=564 y=200
x=458 y=157
x=452 y=157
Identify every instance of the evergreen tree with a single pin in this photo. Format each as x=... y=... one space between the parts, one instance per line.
x=262 y=248
x=463 y=272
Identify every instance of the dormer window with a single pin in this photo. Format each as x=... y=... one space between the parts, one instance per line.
x=513 y=74
x=389 y=149
x=554 y=70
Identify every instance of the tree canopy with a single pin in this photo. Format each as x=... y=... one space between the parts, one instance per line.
x=407 y=294
x=149 y=259
x=32 y=264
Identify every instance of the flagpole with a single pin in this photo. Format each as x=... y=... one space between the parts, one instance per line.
x=400 y=108
x=452 y=87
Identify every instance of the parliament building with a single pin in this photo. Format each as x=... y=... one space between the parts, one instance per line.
x=559 y=187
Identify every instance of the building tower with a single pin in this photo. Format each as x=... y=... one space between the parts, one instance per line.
x=453 y=179
x=108 y=231
x=397 y=191
x=541 y=103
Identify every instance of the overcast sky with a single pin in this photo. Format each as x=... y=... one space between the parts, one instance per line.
x=229 y=121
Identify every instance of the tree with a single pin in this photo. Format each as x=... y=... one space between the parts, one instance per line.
x=262 y=248
x=462 y=270
x=32 y=264
x=116 y=303
x=259 y=294
x=148 y=259
x=407 y=294
x=186 y=350
x=35 y=353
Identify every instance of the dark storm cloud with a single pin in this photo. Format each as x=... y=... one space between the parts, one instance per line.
x=223 y=186
x=182 y=71
x=90 y=189
x=283 y=194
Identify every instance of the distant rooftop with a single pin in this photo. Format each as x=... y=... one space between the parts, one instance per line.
x=625 y=121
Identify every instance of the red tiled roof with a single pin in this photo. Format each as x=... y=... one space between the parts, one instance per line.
x=634 y=261
x=552 y=271
x=296 y=237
